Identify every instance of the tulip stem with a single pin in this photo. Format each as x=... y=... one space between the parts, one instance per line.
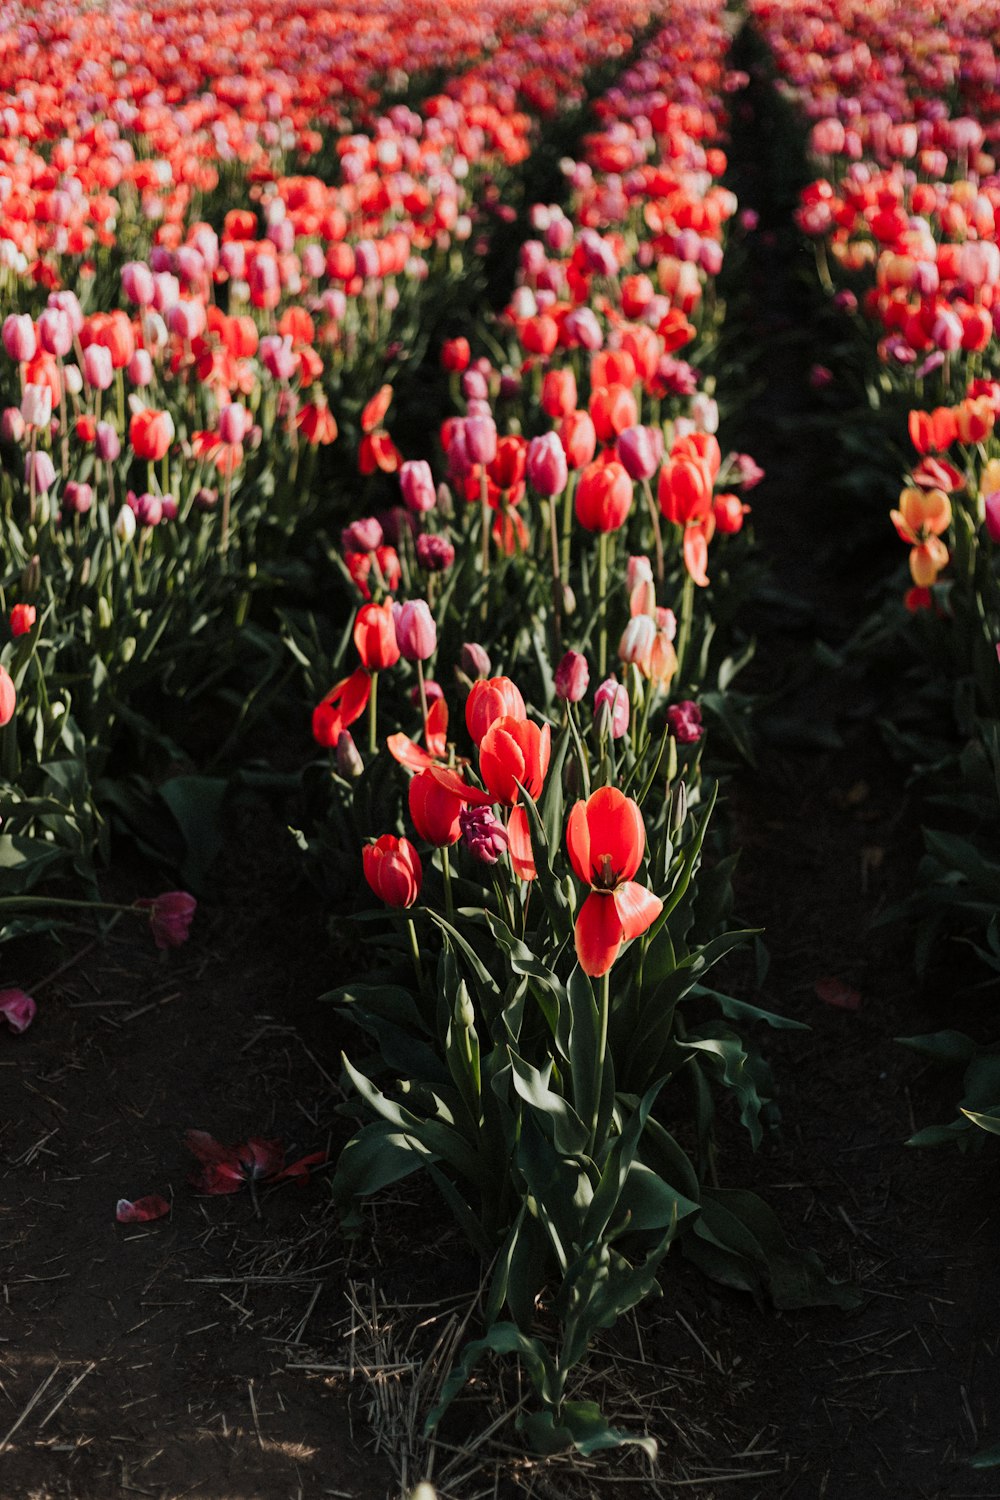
x=602 y=1047
x=602 y=604
x=567 y=520
x=684 y=633
x=423 y=699
x=373 y=715
x=415 y=950
x=556 y=578
x=484 y=519
x=449 y=906
x=654 y=516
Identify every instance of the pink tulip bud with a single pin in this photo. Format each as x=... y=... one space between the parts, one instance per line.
x=77 y=497
x=107 y=442
x=475 y=661
x=640 y=451
x=572 y=677
x=17 y=1008
x=170 y=917
x=137 y=283
x=417 y=484
x=140 y=368
x=362 y=536
x=8 y=697
x=416 y=632
x=39 y=471
x=12 y=425
x=480 y=439
x=612 y=708
x=547 y=469
x=55 y=331
x=992 y=506
x=19 y=338
x=234 y=423
x=98 y=370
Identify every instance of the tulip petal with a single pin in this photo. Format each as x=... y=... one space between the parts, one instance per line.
x=637 y=907
x=519 y=843
x=143 y=1210
x=452 y=782
x=409 y=754
x=578 y=842
x=598 y=933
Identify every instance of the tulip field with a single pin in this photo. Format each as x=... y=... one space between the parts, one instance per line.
x=500 y=749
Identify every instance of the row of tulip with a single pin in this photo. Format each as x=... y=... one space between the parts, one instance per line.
x=905 y=215
x=171 y=374
x=539 y=842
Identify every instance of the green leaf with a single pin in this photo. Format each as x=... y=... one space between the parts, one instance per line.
x=986 y=1458
x=502 y=1338
x=195 y=803
x=989 y=1122
x=377 y=1156
x=942 y=1046
x=580 y=1425
x=742 y=1010
x=557 y=1116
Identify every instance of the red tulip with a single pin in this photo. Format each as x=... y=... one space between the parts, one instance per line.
x=606 y=839
x=150 y=434
x=393 y=870
x=514 y=750
x=434 y=809
x=603 y=496
x=492 y=698
x=8 y=697
x=343 y=704
x=375 y=637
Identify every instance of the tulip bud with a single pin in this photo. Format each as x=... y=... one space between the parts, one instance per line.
x=39 y=471
x=77 y=497
x=465 y=1015
x=22 y=619
x=36 y=405
x=55 y=331
x=349 y=762
x=107 y=442
x=417 y=484
x=636 y=644
x=572 y=677
x=435 y=552
x=18 y=1010
x=991 y=506
x=125 y=524
x=612 y=708
x=362 y=536
x=140 y=369
x=640 y=450
x=474 y=661
x=19 y=337
x=546 y=466
x=678 y=810
x=98 y=370
x=12 y=425
x=416 y=632
x=480 y=439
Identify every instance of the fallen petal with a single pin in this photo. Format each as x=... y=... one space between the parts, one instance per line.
x=143 y=1210
x=838 y=994
x=18 y=1009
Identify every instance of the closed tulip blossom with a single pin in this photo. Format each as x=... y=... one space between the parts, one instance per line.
x=375 y=637
x=417 y=485
x=170 y=917
x=19 y=337
x=393 y=870
x=435 y=553
x=547 y=468
x=603 y=497
x=22 y=619
x=514 y=751
x=416 y=631
x=17 y=1009
x=572 y=677
x=991 y=506
x=684 y=721
x=606 y=840
x=612 y=708
x=8 y=697
x=492 y=698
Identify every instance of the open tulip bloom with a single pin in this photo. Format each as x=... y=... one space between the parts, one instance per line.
x=606 y=840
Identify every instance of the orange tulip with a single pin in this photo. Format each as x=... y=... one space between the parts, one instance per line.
x=606 y=839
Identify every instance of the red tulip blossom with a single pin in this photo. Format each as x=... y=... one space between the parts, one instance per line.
x=603 y=496
x=393 y=870
x=606 y=840
x=375 y=637
x=170 y=917
x=227 y=1169
x=492 y=698
x=150 y=434
x=514 y=751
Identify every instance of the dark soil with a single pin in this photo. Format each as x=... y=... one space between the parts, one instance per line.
x=210 y=1354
